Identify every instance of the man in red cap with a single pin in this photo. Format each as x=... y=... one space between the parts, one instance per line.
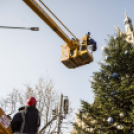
x=27 y=120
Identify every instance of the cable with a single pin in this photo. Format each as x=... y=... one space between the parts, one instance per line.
x=58 y=19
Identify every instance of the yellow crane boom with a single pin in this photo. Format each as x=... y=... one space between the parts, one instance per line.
x=76 y=52
x=47 y=19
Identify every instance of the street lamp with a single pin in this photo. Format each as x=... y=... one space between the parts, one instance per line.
x=22 y=28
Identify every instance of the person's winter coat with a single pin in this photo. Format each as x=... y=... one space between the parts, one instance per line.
x=32 y=120
x=92 y=42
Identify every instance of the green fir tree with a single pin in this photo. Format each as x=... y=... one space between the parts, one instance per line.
x=113 y=87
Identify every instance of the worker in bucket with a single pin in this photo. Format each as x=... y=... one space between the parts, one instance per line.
x=91 y=41
x=27 y=120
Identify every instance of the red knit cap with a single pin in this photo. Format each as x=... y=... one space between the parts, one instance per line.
x=31 y=101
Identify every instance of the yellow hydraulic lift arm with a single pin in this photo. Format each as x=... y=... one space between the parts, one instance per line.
x=47 y=19
x=74 y=53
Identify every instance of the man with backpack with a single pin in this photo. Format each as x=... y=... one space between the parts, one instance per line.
x=27 y=120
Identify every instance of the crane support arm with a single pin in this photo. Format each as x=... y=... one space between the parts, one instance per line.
x=47 y=19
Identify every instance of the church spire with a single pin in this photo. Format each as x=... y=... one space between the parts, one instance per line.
x=126 y=14
x=128 y=24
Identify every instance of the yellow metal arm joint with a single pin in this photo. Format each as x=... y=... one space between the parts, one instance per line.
x=73 y=43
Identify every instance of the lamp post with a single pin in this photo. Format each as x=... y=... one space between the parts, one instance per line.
x=22 y=28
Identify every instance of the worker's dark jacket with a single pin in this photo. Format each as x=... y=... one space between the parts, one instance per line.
x=32 y=120
x=92 y=42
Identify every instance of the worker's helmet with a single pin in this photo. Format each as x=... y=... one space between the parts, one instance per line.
x=88 y=33
x=31 y=101
x=73 y=39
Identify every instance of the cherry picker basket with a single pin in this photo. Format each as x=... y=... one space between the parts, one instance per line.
x=5 y=127
x=82 y=54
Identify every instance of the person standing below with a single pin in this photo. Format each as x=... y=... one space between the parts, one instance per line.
x=27 y=120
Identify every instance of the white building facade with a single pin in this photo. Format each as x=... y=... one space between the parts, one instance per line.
x=129 y=30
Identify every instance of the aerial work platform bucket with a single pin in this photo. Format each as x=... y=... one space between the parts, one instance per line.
x=65 y=57
x=70 y=58
x=85 y=51
x=82 y=54
x=5 y=127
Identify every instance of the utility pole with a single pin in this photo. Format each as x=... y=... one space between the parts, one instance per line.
x=59 y=113
x=61 y=109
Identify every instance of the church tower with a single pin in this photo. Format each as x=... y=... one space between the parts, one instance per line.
x=129 y=29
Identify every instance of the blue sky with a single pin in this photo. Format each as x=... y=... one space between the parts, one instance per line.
x=26 y=55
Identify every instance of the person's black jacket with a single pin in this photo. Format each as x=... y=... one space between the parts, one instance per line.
x=92 y=42
x=32 y=120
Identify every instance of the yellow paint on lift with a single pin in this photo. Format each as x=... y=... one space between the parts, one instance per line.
x=5 y=127
x=82 y=54
x=74 y=53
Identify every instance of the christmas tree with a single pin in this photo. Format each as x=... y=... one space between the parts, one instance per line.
x=113 y=87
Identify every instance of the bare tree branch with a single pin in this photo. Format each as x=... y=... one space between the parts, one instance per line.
x=47 y=101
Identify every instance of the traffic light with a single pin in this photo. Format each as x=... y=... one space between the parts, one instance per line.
x=66 y=106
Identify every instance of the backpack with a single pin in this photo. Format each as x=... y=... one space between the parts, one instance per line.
x=23 y=112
